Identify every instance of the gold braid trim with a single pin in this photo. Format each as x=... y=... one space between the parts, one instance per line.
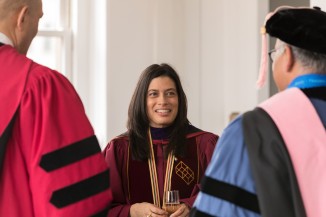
x=128 y=171
x=153 y=173
x=198 y=170
x=168 y=174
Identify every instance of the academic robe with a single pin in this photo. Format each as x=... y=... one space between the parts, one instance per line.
x=254 y=172
x=53 y=165
x=130 y=180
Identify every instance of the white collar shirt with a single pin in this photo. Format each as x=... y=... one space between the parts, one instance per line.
x=5 y=40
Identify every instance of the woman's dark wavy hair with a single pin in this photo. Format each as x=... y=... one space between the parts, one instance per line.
x=138 y=122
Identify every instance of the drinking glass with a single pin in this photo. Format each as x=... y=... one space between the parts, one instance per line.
x=171 y=201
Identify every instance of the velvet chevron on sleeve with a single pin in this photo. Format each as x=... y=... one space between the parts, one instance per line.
x=266 y=161
x=53 y=165
x=228 y=187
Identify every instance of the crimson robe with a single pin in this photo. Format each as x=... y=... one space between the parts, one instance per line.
x=130 y=179
x=52 y=164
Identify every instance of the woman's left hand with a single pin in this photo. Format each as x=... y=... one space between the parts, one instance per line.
x=182 y=211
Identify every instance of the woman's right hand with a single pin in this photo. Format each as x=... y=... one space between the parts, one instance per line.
x=146 y=210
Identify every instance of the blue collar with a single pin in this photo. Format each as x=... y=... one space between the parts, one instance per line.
x=309 y=81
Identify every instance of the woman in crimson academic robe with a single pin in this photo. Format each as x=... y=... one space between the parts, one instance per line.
x=160 y=151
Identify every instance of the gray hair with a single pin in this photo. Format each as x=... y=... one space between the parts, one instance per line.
x=308 y=59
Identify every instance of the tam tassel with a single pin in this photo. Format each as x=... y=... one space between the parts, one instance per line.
x=264 y=54
x=263 y=61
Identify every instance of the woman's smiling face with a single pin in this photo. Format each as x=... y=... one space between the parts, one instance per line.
x=162 y=102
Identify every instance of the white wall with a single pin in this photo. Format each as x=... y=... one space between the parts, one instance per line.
x=90 y=60
x=214 y=46
x=319 y=3
x=130 y=50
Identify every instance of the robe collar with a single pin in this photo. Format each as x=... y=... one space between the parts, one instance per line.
x=161 y=133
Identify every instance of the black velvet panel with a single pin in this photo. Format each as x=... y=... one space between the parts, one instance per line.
x=81 y=190
x=4 y=140
x=70 y=154
x=277 y=188
x=231 y=193
x=316 y=92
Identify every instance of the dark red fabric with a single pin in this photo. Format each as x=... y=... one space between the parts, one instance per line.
x=139 y=177
x=180 y=176
x=130 y=182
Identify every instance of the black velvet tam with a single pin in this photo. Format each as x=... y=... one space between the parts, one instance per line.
x=301 y=27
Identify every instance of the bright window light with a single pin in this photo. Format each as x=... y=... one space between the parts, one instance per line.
x=52 y=45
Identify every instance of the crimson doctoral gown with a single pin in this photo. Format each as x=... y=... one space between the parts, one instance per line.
x=130 y=179
x=52 y=164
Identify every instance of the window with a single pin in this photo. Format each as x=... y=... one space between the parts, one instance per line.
x=52 y=45
x=72 y=40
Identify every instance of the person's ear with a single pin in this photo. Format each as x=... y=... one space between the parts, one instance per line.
x=21 y=18
x=289 y=58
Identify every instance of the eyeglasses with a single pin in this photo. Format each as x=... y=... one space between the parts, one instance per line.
x=272 y=53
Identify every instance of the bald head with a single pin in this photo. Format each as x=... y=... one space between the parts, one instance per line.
x=19 y=21
x=8 y=7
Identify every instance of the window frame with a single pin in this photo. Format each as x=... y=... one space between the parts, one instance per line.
x=65 y=34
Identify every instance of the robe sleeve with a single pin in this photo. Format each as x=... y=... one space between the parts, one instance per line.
x=228 y=185
x=116 y=155
x=206 y=144
x=67 y=172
